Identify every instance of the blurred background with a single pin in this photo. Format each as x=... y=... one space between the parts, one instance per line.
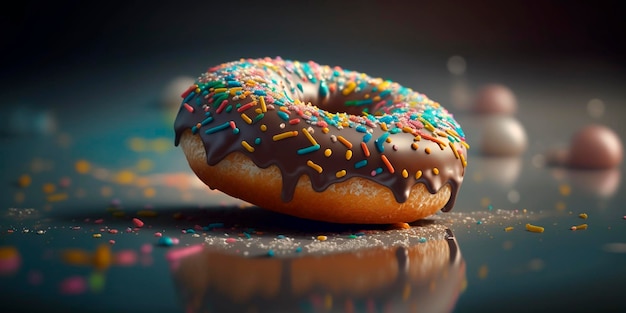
x=89 y=92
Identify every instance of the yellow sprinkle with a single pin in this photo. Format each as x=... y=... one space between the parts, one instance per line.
x=322 y=238
x=417 y=138
x=407 y=129
x=384 y=85
x=82 y=166
x=263 y=127
x=465 y=145
x=314 y=166
x=125 y=177
x=429 y=127
x=340 y=174
x=149 y=192
x=96 y=235
x=147 y=213
x=463 y=159
x=284 y=135
x=328 y=152
x=427 y=150
x=246 y=118
x=218 y=90
x=418 y=174
x=534 y=229
x=263 y=105
x=436 y=171
x=48 y=188
x=345 y=142
x=348 y=154
x=57 y=197
x=309 y=136
x=349 y=88
x=583 y=215
x=405 y=173
x=581 y=226
x=383 y=126
x=24 y=181
x=325 y=130
x=456 y=153
x=246 y=145
x=510 y=228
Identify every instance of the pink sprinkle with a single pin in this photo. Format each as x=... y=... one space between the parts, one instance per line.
x=197 y=227
x=175 y=241
x=231 y=240
x=138 y=222
x=99 y=221
x=126 y=257
x=179 y=253
x=73 y=285
x=112 y=242
x=158 y=234
x=128 y=229
x=625 y=217
x=183 y=231
x=113 y=231
x=146 y=248
x=75 y=227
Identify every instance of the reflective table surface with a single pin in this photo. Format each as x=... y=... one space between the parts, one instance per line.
x=101 y=213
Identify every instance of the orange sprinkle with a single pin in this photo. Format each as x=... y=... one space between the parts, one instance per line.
x=263 y=127
x=414 y=146
x=387 y=163
x=366 y=150
x=427 y=150
x=345 y=142
x=328 y=152
x=436 y=171
x=325 y=130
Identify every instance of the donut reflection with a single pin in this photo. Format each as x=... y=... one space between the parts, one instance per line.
x=425 y=277
x=600 y=183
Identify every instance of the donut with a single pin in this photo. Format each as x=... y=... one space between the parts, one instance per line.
x=321 y=142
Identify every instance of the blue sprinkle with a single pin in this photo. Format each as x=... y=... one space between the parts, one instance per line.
x=380 y=141
x=215 y=225
x=422 y=240
x=217 y=128
x=259 y=92
x=194 y=129
x=298 y=249
x=257 y=140
x=360 y=164
x=190 y=231
x=280 y=237
x=384 y=93
x=490 y=207
x=165 y=241
x=189 y=96
x=308 y=149
x=367 y=137
x=359 y=234
x=283 y=115
x=207 y=120
x=247 y=235
x=323 y=89
x=479 y=222
x=233 y=84
x=300 y=87
x=270 y=253
x=235 y=130
x=361 y=129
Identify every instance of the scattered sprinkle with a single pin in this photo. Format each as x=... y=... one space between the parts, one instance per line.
x=534 y=229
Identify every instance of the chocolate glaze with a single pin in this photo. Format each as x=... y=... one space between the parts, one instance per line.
x=291 y=85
